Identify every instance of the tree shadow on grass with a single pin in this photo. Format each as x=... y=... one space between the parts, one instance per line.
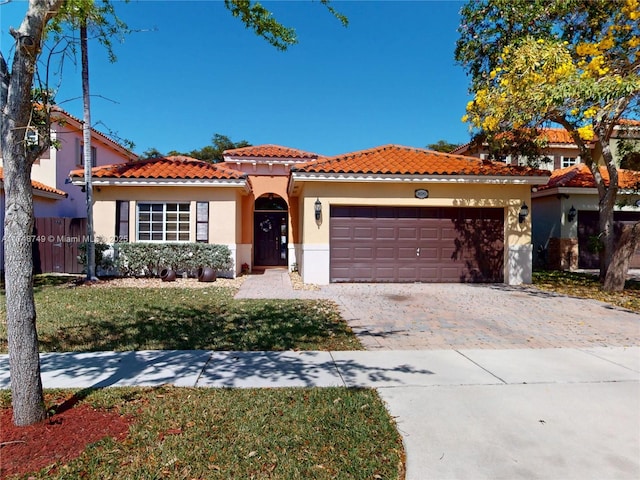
x=244 y=326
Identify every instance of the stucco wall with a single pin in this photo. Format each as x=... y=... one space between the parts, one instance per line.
x=54 y=170
x=223 y=206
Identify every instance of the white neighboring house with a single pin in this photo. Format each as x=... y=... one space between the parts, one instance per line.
x=54 y=194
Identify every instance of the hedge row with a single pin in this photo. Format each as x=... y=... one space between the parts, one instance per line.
x=149 y=259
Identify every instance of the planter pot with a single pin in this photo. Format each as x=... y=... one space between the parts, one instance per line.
x=168 y=275
x=206 y=274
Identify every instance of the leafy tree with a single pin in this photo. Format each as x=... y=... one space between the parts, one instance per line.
x=151 y=153
x=568 y=62
x=443 y=146
x=213 y=153
x=21 y=113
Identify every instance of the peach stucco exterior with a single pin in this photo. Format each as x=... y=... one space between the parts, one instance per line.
x=255 y=183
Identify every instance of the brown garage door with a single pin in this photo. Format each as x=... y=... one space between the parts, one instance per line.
x=406 y=244
x=588 y=230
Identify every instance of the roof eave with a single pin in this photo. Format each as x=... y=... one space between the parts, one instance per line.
x=401 y=178
x=547 y=192
x=163 y=182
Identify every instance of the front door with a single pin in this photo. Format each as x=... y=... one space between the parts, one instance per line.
x=270 y=239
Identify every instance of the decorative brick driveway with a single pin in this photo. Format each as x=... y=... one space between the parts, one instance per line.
x=445 y=316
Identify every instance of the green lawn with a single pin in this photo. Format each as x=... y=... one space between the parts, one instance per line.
x=185 y=433
x=85 y=318
x=586 y=285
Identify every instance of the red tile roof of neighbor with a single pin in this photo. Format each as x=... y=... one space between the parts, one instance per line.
x=399 y=160
x=38 y=186
x=580 y=176
x=553 y=136
x=270 y=151
x=165 y=167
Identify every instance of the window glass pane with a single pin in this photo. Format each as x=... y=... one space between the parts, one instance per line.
x=163 y=222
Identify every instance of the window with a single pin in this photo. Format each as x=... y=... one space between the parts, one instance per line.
x=202 y=222
x=163 y=222
x=568 y=161
x=80 y=154
x=122 y=220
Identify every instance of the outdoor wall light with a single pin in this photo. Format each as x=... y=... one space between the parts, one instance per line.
x=317 y=208
x=571 y=214
x=524 y=213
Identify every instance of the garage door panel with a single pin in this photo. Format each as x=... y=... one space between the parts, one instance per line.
x=363 y=233
x=429 y=233
x=455 y=246
x=408 y=233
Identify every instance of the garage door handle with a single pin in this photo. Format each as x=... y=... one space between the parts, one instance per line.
x=418 y=252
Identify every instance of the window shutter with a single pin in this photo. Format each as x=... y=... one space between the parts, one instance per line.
x=122 y=220
x=202 y=222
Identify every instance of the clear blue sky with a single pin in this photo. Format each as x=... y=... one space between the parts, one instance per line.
x=194 y=70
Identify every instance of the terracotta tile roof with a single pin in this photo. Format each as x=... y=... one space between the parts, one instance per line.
x=173 y=167
x=552 y=135
x=399 y=160
x=270 y=151
x=557 y=135
x=580 y=176
x=37 y=186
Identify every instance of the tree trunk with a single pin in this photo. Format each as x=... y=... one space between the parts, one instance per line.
x=16 y=105
x=88 y=158
x=627 y=245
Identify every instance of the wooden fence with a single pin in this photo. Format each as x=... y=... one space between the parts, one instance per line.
x=56 y=243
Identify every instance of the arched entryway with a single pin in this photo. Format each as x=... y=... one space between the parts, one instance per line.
x=270 y=235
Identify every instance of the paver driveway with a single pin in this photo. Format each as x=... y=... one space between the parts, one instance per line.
x=444 y=316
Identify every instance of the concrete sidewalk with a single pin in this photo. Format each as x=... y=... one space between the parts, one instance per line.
x=546 y=413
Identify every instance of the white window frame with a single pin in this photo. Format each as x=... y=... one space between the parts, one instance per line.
x=569 y=161
x=164 y=234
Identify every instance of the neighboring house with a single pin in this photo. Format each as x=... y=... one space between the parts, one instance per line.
x=565 y=217
x=387 y=214
x=560 y=152
x=43 y=197
x=53 y=167
x=559 y=243
x=58 y=197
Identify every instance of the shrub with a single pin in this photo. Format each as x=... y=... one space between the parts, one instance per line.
x=102 y=258
x=148 y=259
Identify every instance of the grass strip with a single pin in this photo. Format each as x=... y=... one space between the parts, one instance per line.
x=81 y=318
x=185 y=433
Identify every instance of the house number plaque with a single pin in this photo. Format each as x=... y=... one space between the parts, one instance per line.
x=421 y=193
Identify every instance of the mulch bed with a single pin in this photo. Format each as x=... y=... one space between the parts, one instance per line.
x=60 y=438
